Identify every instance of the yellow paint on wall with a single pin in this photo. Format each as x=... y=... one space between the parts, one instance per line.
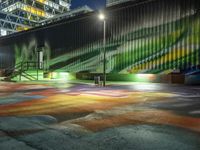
x=167 y=57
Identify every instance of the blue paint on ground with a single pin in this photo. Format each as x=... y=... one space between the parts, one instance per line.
x=17 y=99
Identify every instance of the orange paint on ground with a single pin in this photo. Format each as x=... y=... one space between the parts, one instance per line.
x=72 y=104
x=142 y=117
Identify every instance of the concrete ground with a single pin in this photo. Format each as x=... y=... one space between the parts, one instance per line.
x=67 y=116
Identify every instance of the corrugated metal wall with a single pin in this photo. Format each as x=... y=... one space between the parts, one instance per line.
x=156 y=36
x=6 y=58
x=145 y=37
x=150 y=37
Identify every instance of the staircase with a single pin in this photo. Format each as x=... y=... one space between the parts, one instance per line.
x=22 y=70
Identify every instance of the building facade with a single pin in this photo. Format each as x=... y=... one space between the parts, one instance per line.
x=143 y=37
x=19 y=15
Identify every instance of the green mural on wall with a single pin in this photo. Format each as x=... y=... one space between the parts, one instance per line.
x=157 y=49
x=155 y=37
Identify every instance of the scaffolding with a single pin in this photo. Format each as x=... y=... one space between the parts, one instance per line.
x=10 y=23
x=18 y=15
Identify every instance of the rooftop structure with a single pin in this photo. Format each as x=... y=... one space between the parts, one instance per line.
x=115 y=2
x=71 y=13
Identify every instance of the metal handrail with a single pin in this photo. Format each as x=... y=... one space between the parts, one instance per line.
x=31 y=65
x=10 y=70
x=24 y=66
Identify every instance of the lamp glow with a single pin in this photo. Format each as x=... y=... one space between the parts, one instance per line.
x=101 y=16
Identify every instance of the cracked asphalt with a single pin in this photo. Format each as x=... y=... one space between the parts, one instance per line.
x=77 y=116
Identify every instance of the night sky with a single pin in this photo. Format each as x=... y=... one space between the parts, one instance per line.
x=94 y=4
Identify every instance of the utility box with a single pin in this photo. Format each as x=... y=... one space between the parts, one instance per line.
x=2 y=72
x=177 y=78
x=97 y=80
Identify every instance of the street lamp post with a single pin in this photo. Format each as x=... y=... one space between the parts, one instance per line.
x=102 y=17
